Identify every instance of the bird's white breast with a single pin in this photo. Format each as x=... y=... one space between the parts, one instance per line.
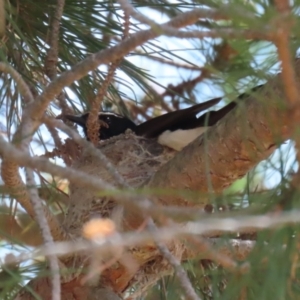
x=178 y=139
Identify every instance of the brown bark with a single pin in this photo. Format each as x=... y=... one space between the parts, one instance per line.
x=243 y=138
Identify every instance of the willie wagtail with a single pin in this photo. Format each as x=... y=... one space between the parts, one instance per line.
x=174 y=129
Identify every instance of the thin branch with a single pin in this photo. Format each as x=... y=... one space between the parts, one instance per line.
x=126 y=24
x=93 y=125
x=226 y=33
x=212 y=33
x=174 y=64
x=284 y=24
x=175 y=263
x=58 y=145
x=186 y=86
x=41 y=220
x=52 y=55
x=126 y=6
x=168 y=233
x=282 y=42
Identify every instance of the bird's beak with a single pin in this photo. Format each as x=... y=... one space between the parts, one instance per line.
x=76 y=119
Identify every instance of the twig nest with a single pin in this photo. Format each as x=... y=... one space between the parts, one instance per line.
x=134 y=158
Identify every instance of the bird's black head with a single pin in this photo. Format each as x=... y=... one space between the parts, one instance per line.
x=116 y=124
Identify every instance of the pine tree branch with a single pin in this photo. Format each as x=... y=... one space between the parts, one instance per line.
x=131 y=239
x=243 y=138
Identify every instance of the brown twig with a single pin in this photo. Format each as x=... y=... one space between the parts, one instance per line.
x=281 y=38
x=291 y=87
x=212 y=33
x=52 y=55
x=53 y=52
x=46 y=233
x=126 y=6
x=175 y=263
x=58 y=146
x=169 y=233
x=185 y=86
x=174 y=64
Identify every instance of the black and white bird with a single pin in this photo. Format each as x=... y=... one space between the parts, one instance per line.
x=174 y=129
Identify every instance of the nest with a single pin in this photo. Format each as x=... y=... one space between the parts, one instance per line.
x=136 y=159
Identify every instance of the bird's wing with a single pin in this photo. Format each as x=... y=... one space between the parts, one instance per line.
x=210 y=118
x=173 y=120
